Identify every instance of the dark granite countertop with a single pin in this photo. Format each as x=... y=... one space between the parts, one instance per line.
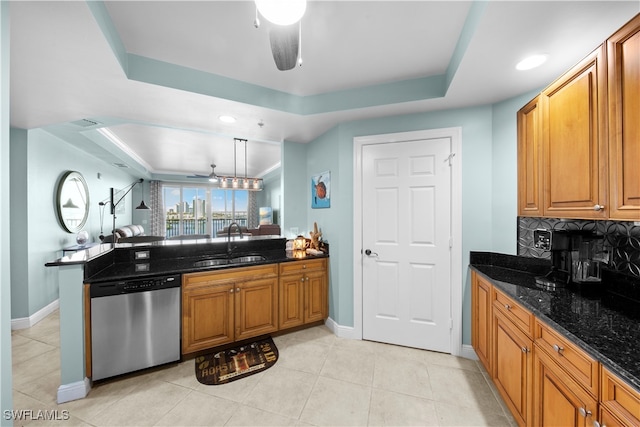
x=603 y=319
x=133 y=262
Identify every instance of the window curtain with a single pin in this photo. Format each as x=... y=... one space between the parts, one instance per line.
x=156 y=217
x=252 y=209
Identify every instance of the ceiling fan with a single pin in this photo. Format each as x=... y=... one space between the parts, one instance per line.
x=285 y=30
x=212 y=176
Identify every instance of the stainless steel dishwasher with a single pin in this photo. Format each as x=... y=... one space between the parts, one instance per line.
x=135 y=324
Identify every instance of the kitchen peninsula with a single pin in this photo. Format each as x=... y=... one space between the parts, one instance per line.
x=203 y=276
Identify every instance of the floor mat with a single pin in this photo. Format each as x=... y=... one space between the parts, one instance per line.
x=224 y=366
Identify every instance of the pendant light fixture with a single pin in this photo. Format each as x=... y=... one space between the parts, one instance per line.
x=236 y=182
x=281 y=12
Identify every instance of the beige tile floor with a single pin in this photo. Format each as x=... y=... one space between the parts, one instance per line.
x=319 y=380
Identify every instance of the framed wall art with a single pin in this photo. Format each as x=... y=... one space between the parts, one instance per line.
x=321 y=190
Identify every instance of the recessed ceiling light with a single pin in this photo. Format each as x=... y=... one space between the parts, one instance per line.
x=227 y=119
x=530 y=62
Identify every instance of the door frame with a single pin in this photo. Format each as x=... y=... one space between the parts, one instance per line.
x=455 y=134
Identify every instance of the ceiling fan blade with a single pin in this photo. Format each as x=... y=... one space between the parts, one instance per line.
x=197 y=176
x=285 y=41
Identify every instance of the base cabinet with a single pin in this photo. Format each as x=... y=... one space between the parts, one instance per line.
x=512 y=368
x=481 y=323
x=303 y=292
x=558 y=400
x=619 y=403
x=225 y=306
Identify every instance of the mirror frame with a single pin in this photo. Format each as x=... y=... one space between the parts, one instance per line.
x=73 y=189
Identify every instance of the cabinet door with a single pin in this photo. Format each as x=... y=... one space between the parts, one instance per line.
x=558 y=399
x=623 y=53
x=574 y=141
x=481 y=319
x=512 y=367
x=291 y=298
x=315 y=306
x=207 y=317
x=256 y=308
x=530 y=159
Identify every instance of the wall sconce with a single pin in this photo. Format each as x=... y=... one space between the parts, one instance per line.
x=112 y=203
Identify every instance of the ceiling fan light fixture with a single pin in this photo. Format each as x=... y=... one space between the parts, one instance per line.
x=282 y=12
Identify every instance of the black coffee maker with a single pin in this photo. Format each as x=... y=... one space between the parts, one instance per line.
x=575 y=257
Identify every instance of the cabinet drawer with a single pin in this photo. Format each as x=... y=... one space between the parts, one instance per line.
x=228 y=275
x=519 y=315
x=303 y=266
x=619 y=398
x=572 y=359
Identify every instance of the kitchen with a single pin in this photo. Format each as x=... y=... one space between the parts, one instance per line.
x=488 y=132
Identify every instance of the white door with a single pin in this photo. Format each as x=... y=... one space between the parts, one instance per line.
x=406 y=234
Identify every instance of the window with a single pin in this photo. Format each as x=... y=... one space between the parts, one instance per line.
x=203 y=209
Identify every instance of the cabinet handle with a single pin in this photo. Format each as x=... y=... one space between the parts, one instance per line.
x=304 y=266
x=302 y=279
x=307 y=279
x=230 y=291
x=598 y=207
x=558 y=348
x=525 y=350
x=507 y=306
x=584 y=412
x=597 y=424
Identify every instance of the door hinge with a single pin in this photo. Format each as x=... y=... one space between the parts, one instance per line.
x=450 y=324
x=450 y=242
x=450 y=158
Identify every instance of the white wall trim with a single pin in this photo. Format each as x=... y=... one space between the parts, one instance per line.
x=455 y=134
x=74 y=391
x=27 y=322
x=468 y=352
x=341 y=331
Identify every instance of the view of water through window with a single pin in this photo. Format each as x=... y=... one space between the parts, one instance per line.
x=202 y=210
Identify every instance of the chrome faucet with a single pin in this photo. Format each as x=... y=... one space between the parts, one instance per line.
x=229 y=236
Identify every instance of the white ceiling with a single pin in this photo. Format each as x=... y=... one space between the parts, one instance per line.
x=158 y=74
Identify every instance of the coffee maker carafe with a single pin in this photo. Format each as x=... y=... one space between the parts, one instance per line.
x=575 y=257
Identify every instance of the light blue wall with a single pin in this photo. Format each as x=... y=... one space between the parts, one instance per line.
x=6 y=391
x=293 y=184
x=271 y=196
x=46 y=158
x=488 y=172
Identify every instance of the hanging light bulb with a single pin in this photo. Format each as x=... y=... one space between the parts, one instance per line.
x=282 y=12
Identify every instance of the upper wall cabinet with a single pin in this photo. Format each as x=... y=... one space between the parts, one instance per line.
x=578 y=153
x=623 y=54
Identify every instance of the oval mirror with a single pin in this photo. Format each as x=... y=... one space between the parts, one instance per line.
x=72 y=201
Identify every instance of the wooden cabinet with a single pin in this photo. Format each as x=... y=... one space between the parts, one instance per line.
x=574 y=141
x=481 y=319
x=623 y=54
x=579 y=140
x=303 y=292
x=512 y=360
x=220 y=307
x=530 y=171
x=558 y=400
x=619 y=403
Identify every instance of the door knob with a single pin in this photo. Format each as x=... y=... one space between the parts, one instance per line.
x=368 y=252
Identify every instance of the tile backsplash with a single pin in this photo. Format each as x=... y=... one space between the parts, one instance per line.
x=621 y=239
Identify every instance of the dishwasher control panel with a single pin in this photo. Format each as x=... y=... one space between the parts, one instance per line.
x=134 y=285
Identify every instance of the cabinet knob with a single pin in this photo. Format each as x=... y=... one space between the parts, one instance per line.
x=597 y=424
x=598 y=207
x=302 y=279
x=584 y=412
x=558 y=348
x=525 y=350
x=507 y=306
x=307 y=279
x=230 y=291
x=237 y=289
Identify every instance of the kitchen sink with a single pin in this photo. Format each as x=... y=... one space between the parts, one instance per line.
x=247 y=259
x=211 y=262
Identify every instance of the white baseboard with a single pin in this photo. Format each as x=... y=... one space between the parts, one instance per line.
x=468 y=352
x=74 y=391
x=341 y=331
x=27 y=322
